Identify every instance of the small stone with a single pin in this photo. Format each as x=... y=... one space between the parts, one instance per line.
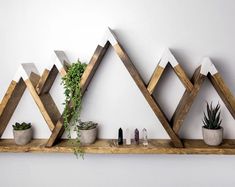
x=145 y=137
x=120 y=137
x=128 y=137
x=137 y=137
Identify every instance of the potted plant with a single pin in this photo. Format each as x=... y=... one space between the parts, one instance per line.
x=86 y=132
x=22 y=133
x=212 y=131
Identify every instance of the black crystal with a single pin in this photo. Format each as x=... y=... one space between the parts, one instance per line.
x=120 y=137
x=137 y=136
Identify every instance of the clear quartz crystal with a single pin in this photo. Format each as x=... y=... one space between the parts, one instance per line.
x=128 y=137
x=145 y=137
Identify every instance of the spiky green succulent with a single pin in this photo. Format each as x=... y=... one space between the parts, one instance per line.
x=212 y=119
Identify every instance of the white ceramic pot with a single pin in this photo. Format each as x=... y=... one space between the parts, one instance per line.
x=88 y=136
x=213 y=137
x=22 y=137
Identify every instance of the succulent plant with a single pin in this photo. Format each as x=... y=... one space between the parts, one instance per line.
x=21 y=126
x=87 y=125
x=212 y=120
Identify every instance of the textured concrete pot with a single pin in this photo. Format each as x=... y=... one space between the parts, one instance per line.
x=88 y=136
x=22 y=137
x=213 y=137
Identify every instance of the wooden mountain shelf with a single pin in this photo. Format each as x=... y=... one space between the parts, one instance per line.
x=27 y=77
x=108 y=146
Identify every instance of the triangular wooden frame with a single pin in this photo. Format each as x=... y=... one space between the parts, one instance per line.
x=111 y=39
x=207 y=69
x=27 y=76
x=39 y=87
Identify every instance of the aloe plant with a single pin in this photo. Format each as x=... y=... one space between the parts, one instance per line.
x=212 y=120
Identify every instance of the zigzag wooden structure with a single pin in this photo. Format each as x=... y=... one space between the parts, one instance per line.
x=39 y=87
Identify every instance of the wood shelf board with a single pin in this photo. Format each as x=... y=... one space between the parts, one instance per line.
x=108 y=146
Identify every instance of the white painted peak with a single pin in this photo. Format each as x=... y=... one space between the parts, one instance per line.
x=24 y=71
x=207 y=67
x=167 y=57
x=60 y=59
x=109 y=36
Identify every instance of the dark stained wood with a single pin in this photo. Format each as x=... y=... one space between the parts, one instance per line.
x=42 y=105
x=85 y=80
x=92 y=66
x=10 y=102
x=155 y=78
x=223 y=91
x=108 y=146
x=56 y=133
x=187 y=101
x=183 y=77
x=46 y=81
x=139 y=82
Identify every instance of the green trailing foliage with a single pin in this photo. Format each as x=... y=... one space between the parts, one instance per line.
x=73 y=95
x=73 y=101
x=21 y=126
x=212 y=119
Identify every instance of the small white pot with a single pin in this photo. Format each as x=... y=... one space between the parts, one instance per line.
x=88 y=136
x=213 y=137
x=22 y=137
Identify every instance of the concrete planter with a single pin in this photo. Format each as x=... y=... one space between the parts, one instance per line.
x=22 y=137
x=88 y=136
x=213 y=137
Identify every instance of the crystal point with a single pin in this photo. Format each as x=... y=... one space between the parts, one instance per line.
x=120 y=137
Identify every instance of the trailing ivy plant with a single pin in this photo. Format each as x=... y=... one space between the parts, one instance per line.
x=73 y=98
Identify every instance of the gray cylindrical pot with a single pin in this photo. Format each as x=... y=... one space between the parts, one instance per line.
x=22 y=137
x=88 y=136
x=213 y=137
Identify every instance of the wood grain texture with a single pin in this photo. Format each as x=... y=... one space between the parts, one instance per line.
x=183 y=77
x=224 y=92
x=187 y=101
x=10 y=102
x=142 y=87
x=155 y=78
x=42 y=105
x=56 y=133
x=92 y=66
x=46 y=81
x=108 y=146
x=85 y=80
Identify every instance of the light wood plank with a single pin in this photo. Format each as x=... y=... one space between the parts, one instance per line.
x=108 y=146
x=155 y=78
x=183 y=77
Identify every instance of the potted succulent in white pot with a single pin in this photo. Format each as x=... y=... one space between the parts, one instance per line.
x=212 y=132
x=22 y=133
x=86 y=132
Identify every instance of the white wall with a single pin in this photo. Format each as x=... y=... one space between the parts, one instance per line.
x=31 y=30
